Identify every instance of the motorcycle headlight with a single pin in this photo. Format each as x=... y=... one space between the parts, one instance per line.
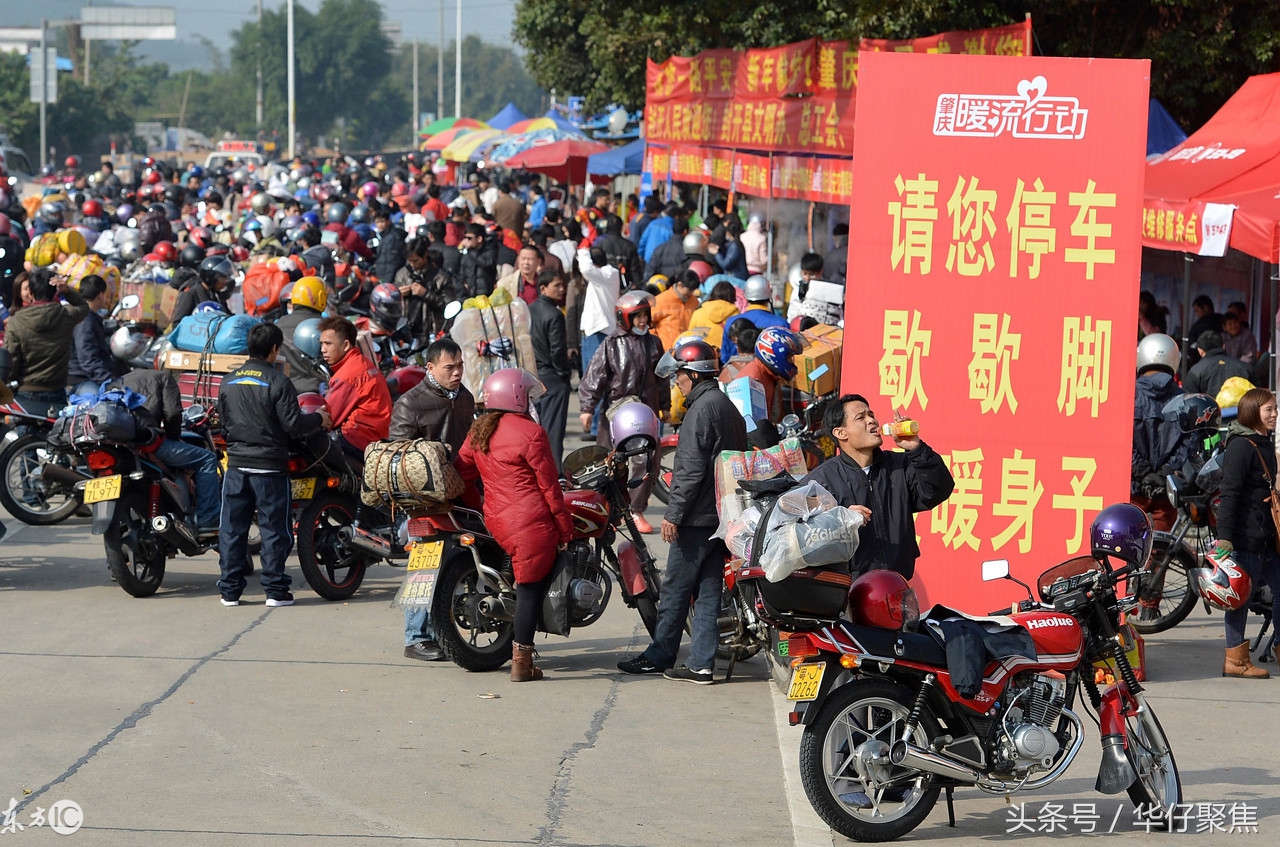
x=1171 y=490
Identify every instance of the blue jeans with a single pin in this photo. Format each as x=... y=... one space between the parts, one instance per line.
x=204 y=465
x=242 y=494
x=1261 y=567
x=417 y=625
x=695 y=571
x=47 y=403
x=590 y=343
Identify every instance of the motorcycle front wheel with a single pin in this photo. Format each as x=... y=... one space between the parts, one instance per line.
x=34 y=501
x=854 y=794
x=135 y=557
x=1158 y=786
x=471 y=640
x=333 y=570
x=1178 y=594
x=666 y=465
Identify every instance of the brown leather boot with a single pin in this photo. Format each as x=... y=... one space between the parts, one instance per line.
x=522 y=667
x=1237 y=664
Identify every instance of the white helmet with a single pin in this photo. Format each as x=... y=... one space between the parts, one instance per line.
x=695 y=243
x=757 y=289
x=1160 y=352
x=127 y=343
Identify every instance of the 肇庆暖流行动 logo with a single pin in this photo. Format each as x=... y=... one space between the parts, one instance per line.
x=1028 y=113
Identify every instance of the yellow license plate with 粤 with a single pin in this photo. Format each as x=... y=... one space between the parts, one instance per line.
x=805 y=681
x=302 y=489
x=102 y=488
x=425 y=556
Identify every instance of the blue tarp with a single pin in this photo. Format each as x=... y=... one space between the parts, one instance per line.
x=563 y=123
x=509 y=115
x=1163 y=132
x=627 y=159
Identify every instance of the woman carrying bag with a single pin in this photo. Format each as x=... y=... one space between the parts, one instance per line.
x=1246 y=529
x=523 y=504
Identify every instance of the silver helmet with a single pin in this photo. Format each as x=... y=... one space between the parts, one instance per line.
x=757 y=289
x=1159 y=351
x=695 y=243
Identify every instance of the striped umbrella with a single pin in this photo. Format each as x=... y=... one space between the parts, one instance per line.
x=530 y=124
x=525 y=141
x=441 y=124
x=441 y=140
x=463 y=147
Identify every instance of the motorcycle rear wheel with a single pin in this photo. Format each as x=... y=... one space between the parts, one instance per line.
x=455 y=619
x=51 y=503
x=1178 y=596
x=866 y=712
x=333 y=571
x=1158 y=785
x=135 y=558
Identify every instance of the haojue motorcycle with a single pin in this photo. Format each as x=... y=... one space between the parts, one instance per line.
x=886 y=727
x=144 y=510
x=470 y=585
x=37 y=480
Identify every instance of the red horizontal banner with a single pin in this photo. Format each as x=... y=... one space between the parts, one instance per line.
x=1011 y=40
x=788 y=177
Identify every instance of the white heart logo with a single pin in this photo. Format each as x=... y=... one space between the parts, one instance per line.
x=1033 y=89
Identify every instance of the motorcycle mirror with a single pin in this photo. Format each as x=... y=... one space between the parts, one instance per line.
x=194 y=413
x=452 y=310
x=635 y=483
x=995 y=569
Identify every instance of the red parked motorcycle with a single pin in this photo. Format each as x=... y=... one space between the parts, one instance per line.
x=885 y=728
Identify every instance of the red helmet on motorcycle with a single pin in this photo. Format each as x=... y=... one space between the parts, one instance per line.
x=200 y=236
x=403 y=378
x=1224 y=585
x=701 y=268
x=631 y=304
x=884 y=600
x=167 y=251
x=310 y=402
x=152 y=177
x=91 y=209
x=239 y=253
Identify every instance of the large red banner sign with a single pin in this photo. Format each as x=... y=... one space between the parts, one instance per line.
x=995 y=245
x=798 y=98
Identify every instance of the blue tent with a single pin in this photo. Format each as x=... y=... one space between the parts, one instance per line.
x=1163 y=132
x=563 y=123
x=627 y=159
x=510 y=114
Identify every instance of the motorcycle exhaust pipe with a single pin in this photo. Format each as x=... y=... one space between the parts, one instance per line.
x=908 y=755
x=57 y=473
x=500 y=607
x=1115 y=773
x=365 y=542
x=176 y=533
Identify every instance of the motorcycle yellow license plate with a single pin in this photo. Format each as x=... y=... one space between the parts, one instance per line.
x=805 y=681
x=102 y=488
x=302 y=489
x=425 y=555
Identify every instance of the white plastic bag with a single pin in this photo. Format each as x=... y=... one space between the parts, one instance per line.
x=801 y=503
x=823 y=538
x=742 y=532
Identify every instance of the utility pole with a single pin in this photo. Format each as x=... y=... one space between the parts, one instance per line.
x=440 y=67
x=292 y=115
x=44 y=90
x=258 y=113
x=413 y=122
x=457 y=67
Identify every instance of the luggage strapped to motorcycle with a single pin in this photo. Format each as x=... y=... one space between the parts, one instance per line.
x=389 y=465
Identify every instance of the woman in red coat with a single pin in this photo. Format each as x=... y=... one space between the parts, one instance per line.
x=523 y=504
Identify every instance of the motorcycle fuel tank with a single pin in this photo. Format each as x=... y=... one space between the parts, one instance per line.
x=589 y=510
x=1058 y=637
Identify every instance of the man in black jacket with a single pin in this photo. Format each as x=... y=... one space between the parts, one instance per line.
x=1214 y=368
x=479 y=261
x=391 y=251
x=886 y=488
x=669 y=259
x=91 y=358
x=550 y=351
x=258 y=409
x=695 y=564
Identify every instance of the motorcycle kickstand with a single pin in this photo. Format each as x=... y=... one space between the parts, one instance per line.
x=951 y=809
x=733 y=660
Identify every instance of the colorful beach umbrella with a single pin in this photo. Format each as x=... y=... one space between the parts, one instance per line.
x=463 y=147
x=530 y=125
x=562 y=160
x=441 y=140
x=524 y=141
x=441 y=124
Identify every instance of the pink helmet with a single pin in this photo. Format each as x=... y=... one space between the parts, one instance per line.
x=369 y=190
x=511 y=390
x=400 y=189
x=634 y=427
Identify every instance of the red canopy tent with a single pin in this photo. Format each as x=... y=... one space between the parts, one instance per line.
x=565 y=161
x=1228 y=170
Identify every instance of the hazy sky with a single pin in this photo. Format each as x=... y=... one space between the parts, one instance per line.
x=490 y=19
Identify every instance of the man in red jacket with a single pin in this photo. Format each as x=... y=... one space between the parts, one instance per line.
x=358 y=398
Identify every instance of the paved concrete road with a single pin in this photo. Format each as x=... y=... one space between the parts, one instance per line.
x=173 y=720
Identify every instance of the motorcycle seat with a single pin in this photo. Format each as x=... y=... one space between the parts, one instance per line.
x=912 y=646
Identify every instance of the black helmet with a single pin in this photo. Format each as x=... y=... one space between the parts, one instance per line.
x=1193 y=412
x=191 y=256
x=360 y=215
x=214 y=267
x=336 y=214
x=173 y=193
x=158 y=207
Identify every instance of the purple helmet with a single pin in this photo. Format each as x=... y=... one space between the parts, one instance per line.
x=1121 y=530
x=123 y=212
x=775 y=347
x=511 y=390
x=634 y=427
x=386 y=306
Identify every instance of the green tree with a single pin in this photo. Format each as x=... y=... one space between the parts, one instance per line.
x=1201 y=50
